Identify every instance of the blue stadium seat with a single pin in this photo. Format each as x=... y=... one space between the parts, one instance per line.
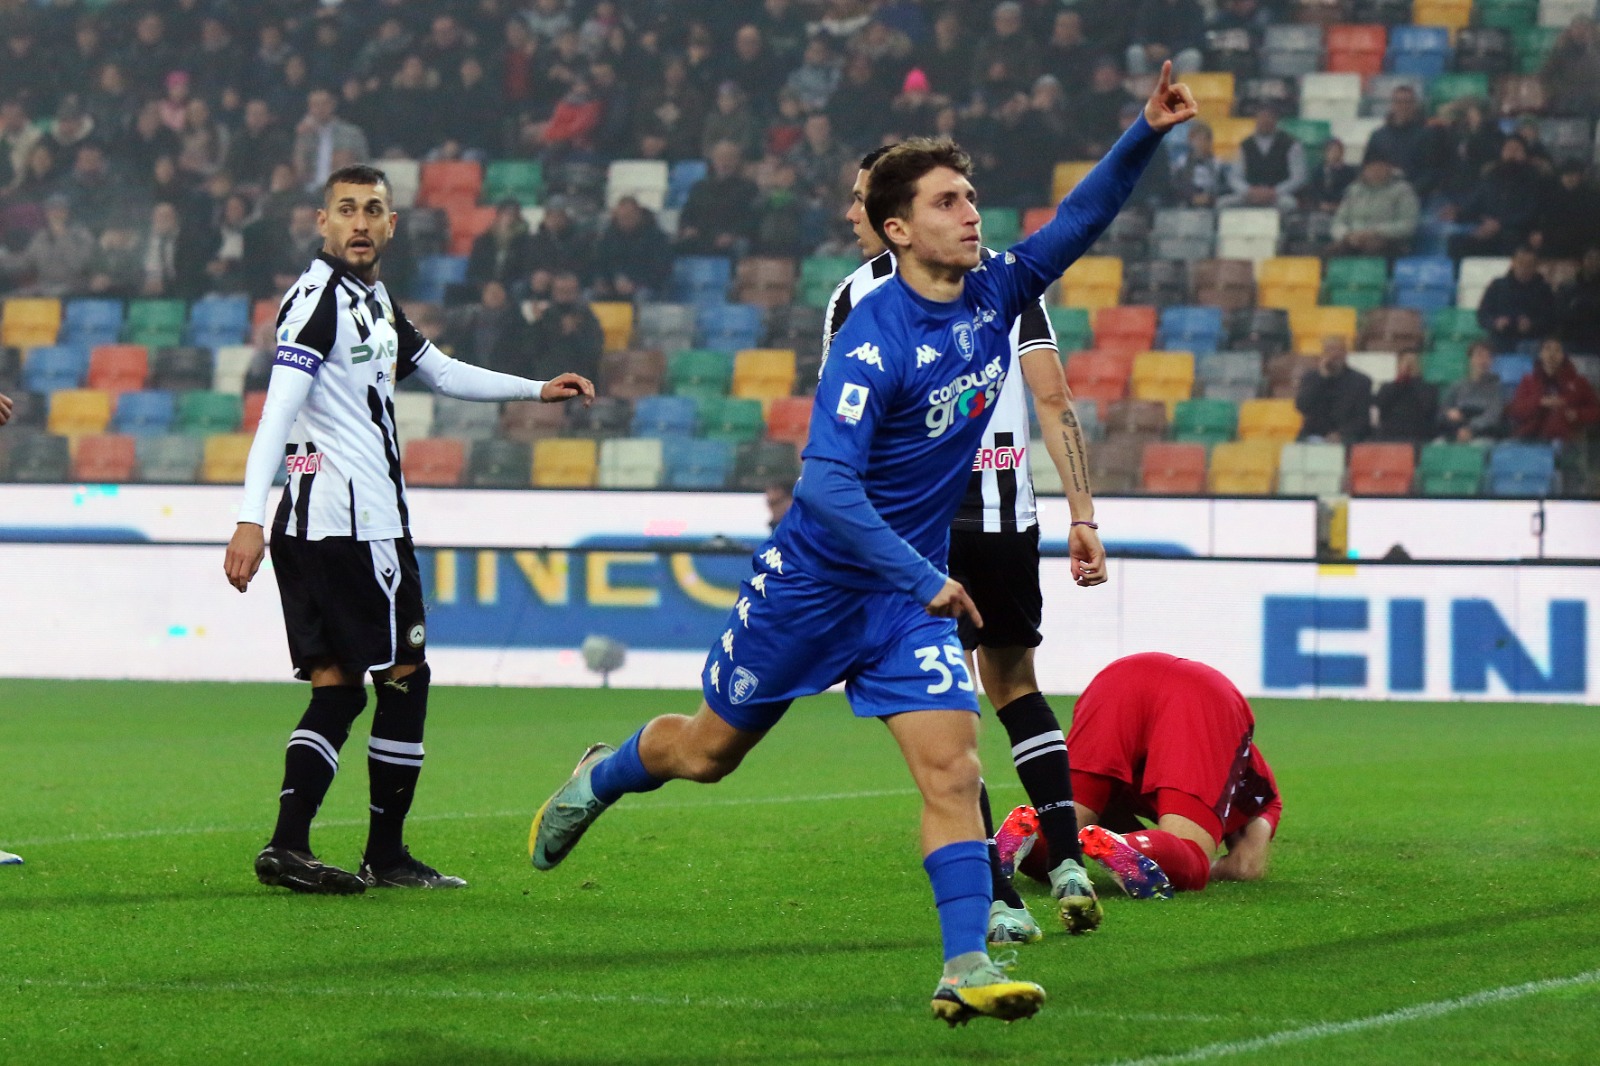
x=665 y=416
x=681 y=179
x=729 y=327
x=435 y=273
x=1521 y=469
x=699 y=279
x=1422 y=50
x=1424 y=282
x=696 y=464
x=216 y=320
x=144 y=414
x=92 y=322
x=1190 y=329
x=56 y=366
x=1511 y=369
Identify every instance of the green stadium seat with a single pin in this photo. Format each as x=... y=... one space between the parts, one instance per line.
x=699 y=372
x=731 y=418
x=821 y=274
x=1002 y=227
x=1313 y=133
x=1456 y=325
x=1445 y=364
x=1506 y=14
x=155 y=323
x=1533 y=44
x=1073 y=332
x=1447 y=88
x=1450 y=469
x=204 y=413
x=1370 y=271
x=520 y=179
x=1205 y=421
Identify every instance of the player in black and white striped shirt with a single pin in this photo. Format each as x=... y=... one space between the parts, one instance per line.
x=994 y=552
x=341 y=541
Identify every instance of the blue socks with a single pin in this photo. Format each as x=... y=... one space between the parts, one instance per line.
x=624 y=772
x=961 y=890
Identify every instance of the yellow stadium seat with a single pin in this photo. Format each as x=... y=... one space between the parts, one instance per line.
x=763 y=374
x=616 y=322
x=1452 y=14
x=1244 y=468
x=74 y=412
x=1270 y=421
x=1229 y=133
x=1213 y=92
x=1286 y=297
x=1310 y=324
x=1164 y=376
x=225 y=457
x=30 y=321
x=1067 y=176
x=1094 y=281
x=561 y=463
x=1301 y=270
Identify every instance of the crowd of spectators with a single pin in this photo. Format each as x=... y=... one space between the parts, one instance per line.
x=176 y=147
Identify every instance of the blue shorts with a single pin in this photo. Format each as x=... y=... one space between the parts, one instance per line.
x=790 y=635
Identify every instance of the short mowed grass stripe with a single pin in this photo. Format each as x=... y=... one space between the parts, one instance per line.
x=1428 y=853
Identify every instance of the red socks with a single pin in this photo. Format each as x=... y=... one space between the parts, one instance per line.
x=1183 y=861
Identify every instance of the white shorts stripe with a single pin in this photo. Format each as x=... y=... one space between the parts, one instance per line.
x=317 y=742
x=397 y=760
x=1054 y=737
x=385 y=557
x=393 y=747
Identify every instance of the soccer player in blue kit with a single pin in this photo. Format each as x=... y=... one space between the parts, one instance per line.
x=852 y=585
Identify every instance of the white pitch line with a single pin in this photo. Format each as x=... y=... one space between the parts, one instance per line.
x=643 y=807
x=1421 y=1012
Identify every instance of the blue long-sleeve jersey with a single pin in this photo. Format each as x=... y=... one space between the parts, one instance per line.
x=907 y=391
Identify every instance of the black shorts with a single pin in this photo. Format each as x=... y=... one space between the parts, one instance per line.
x=357 y=603
x=1001 y=574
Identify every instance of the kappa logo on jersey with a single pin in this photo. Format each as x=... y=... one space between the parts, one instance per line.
x=968 y=396
x=867 y=353
x=927 y=354
x=743 y=686
x=964 y=342
x=300 y=358
x=999 y=459
x=304 y=464
x=852 y=404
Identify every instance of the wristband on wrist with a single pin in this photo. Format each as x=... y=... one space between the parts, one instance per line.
x=1091 y=525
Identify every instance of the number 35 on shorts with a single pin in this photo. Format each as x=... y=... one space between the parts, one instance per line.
x=934 y=659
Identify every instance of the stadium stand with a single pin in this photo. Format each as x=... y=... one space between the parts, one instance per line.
x=1190 y=303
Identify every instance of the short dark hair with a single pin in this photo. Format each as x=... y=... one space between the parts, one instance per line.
x=356 y=174
x=893 y=184
x=873 y=156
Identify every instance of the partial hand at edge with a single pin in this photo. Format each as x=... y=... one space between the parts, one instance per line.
x=1088 y=557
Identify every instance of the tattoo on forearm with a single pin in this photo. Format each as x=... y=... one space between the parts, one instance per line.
x=1077 y=452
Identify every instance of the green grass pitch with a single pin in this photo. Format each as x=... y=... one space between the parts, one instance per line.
x=1434 y=898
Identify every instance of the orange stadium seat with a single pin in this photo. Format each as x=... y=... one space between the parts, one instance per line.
x=253 y=403
x=1173 y=469
x=450 y=183
x=104 y=459
x=118 y=367
x=1382 y=469
x=468 y=222
x=789 y=419
x=1099 y=376
x=1356 y=49
x=1129 y=328
x=434 y=461
x=1035 y=218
